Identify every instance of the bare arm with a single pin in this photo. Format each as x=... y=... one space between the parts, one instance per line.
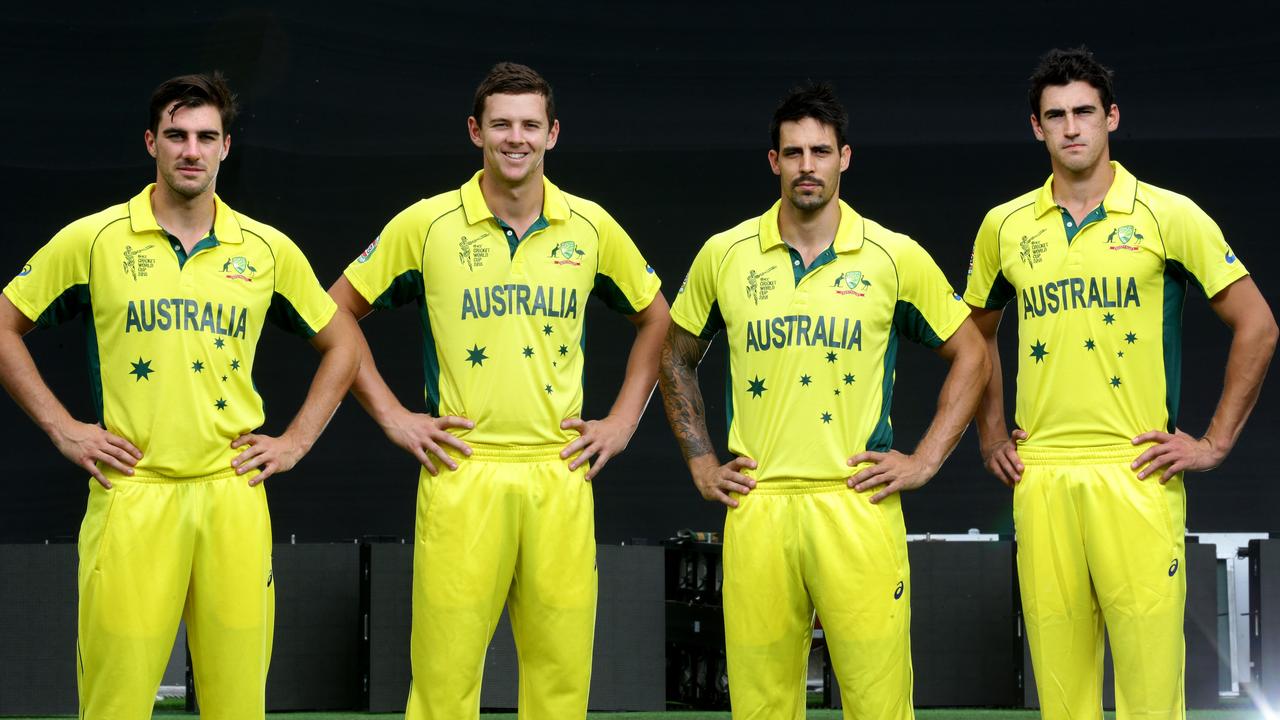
x=961 y=391
x=999 y=447
x=603 y=439
x=1241 y=306
x=339 y=345
x=84 y=444
x=420 y=434
x=682 y=399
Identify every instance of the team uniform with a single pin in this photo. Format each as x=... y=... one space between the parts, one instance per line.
x=171 y=342
x=503 y=338
x=1099 y=363
x=811 y=372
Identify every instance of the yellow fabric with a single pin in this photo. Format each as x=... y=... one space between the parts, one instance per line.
x=1097 y=546
x=819 y=352
x=503 y=333
x=1100 y=318
x=154 y=551
x=791 y=547
x=514 y=526
x=173 y=347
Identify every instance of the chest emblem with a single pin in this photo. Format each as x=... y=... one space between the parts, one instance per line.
x=239 y=268
x=471 y=253
x=759 y=286
x=852 y=283
x=567 y=253
x=1124 y=237
x=1031 y=250
x=136 y=263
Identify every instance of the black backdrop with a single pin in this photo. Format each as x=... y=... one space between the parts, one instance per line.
x=351 y=113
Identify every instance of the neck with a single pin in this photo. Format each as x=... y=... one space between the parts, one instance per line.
x=518 y=204
x=809 y=232
x=1084 y=189
x=188 y=219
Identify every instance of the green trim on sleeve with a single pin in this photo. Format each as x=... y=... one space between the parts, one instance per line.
x=70 y=303
x=609 y=292
x=284 y=315
x=909 y=320
x=405 y=288
x=1000 y=294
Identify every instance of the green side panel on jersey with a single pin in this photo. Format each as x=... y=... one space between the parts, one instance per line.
x=1175 y=295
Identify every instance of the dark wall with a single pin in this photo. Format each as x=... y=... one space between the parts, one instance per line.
x=352 y=114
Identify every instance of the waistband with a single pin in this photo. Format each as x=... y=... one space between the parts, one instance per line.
x=798 y=487
x=116 y=476
x=1099 y=455
x=510 y=453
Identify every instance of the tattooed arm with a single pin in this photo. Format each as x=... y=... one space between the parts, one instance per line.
x=682 y=398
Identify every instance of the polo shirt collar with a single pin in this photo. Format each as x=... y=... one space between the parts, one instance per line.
x=555 y=207
x=849 y=233
x=143 y=219
x=1121 y=196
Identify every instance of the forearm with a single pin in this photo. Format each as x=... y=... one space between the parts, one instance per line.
x=1252 y=347
x=21 y=379
x=990 y=419
x=641 y=372
x=681 y=395
x=961 y=392
x=339 y=361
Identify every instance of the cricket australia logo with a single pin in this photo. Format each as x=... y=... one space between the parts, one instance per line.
x=471 y=253
x=566 y=252
x=1124 y=237
x=852 y=283
x=239 y=268
x=1031 y=250
x=758 y=286
x=136 y=264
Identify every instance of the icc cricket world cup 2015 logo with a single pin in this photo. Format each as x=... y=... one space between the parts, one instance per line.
x=758 y=286
x=852 y=283
x=136 y=264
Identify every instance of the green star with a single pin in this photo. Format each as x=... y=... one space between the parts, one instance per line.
x=546 y=329
x=1038 y=352
x=1109 y=318
x=756 y=387
x=548 y=389
x=1130 y=338
x=1090 y=344
x=141 y=369
x=826 y=418
x=837 y=391
x=528 y=351
x=848 y=378
x=197 y=366
x=564 y=350
x=805 y=380
x=235 y=364
x=476 y=355
x=218 y=343
x=1119 y=353
x=831 y=357
x=1115 y=381
x=224 y=378
x=221 y=404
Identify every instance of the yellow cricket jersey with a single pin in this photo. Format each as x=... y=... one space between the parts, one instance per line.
x=1099 y=305
x=812 y=351
x=503 y=317
x=171 y=337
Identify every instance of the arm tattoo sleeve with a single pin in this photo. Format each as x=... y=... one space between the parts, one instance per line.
x=681 y=396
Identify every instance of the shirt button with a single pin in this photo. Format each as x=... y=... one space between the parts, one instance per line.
x=1069 y=223
x=510 y=233
x=795 y=262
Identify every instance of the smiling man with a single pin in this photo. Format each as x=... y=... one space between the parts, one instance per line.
x=1097 y=264
x=501 y=270
x=815 y=518
x=175 y=288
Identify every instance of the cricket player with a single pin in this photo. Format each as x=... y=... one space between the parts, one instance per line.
x=1098 y=264
x=500 y=270
x=815 y=516
x=174 y=288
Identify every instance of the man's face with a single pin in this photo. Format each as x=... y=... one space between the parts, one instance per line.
x=189 y=146
x=1074 y=125
x=514 y=135
x=809 y=162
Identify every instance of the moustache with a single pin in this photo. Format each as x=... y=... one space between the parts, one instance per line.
x=807 y=179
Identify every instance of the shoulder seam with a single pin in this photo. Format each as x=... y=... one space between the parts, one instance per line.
x=896 y=276
x=422 y=261
x=1000 y=233
x=275 y=271
x=89 y=272
x=1164 y=249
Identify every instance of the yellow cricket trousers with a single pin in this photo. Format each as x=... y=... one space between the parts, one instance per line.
x=511 y=525
x=153 y=550
x=1097 y=545
x=791 y=547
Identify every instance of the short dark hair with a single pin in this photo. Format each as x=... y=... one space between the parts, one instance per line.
x=508 y=78
x=193 y=91
x=815 y=100
x=1062 y=67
